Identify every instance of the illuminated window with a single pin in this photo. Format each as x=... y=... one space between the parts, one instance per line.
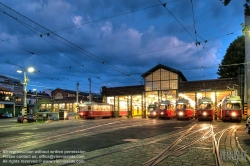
x=49 y=106
x=173 y=84
x=1 y=105
x=56 y=106
x=173 y=76
x=43 y=106
x=161 y=80
x=157 y=85
x=148 y=86
x=164 y=85
x=157 y=75
x=164 y=74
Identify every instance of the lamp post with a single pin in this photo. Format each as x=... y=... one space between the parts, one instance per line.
x=25 y=82
x=36 y=99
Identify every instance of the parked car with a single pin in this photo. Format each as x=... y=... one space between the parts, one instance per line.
x=5 y=115
x=8 y=115
x=31 y=118
x=20 y=118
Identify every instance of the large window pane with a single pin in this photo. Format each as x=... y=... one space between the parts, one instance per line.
x=148 y=78
x=164 y=85
x=173 y=84
x=173 y=76
x=164 y=74
x=157 y=75
x=157 y=85
x=148 y=86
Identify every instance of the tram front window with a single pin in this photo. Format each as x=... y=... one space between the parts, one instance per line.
x=205 y=106
x=89 y=108
x=162 y=107
x=229 y=105
x=181 y=106
x=236 y=105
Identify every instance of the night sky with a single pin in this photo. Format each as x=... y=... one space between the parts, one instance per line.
x=113 y=42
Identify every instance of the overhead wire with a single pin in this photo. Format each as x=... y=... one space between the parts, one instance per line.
x=197 y=34
x=28 y=27
x=86 y=52
x=165 y=6
x=197 y=43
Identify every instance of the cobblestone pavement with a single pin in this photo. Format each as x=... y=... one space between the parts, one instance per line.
x=195 y=144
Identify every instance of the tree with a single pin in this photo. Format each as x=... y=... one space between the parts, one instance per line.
x=233 y=59
x=246 y=5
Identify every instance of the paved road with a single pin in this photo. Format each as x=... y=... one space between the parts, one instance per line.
x=122 y=142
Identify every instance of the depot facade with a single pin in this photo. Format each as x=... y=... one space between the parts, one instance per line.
x=164 y=83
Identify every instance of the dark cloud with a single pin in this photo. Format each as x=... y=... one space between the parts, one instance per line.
x=106 y=40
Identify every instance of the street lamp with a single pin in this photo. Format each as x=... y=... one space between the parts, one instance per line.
x=25 y=82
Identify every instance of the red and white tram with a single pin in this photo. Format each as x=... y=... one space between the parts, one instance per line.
x=95 y=110
x=184 y=110
x=230 y=108
x=205 y=110
x=166 y=109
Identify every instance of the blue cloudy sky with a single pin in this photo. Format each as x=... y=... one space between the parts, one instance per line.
x=113 y=42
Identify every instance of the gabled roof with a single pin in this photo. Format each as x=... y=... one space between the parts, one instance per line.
x=166 y=68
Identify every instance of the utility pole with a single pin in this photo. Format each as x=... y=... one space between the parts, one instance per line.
x=77 y=103
x=247 y=68
x=89 y=89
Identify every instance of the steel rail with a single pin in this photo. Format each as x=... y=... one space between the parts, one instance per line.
x=62 y=136
x=184 y=135
x=179 y=149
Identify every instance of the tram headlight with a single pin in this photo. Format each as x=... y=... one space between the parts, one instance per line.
x=180 y=113
x=204 y=113
x=233 y=114
x=162 y=113
x=154 y=113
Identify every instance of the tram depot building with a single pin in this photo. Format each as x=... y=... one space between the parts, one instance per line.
x=164 y=83
x=160 y=83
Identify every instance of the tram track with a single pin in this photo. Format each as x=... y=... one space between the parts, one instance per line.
x=51 y=138
x=226 y=144
x=144 y=142
x=172 y=149
x=196 y=136
x=169 y=150
x=176 y=142
x=41 y=135
x=216 y=145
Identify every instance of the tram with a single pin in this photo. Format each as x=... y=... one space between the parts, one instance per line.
x=205 y=110
x=152 y=111
x=166 y=109
x=184 y=109
x=90 y=109
x=230 y=109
